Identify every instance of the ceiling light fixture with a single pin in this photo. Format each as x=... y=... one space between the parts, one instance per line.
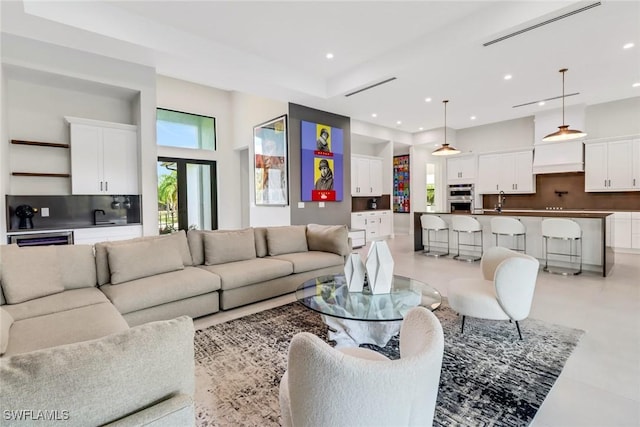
x=446 y=149
x=427 y=100
x=564 y=133
x=541 y=103
x=508 y=77
x=374 y=115
x=329 y=55
x=398 y=122
x=472 y=117
x=635 y=85
x=628 y=46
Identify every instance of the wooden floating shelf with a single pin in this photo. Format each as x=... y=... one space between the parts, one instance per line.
x=48 y=175
x=40 y=144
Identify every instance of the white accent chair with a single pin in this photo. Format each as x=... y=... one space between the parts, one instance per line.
x=433 y=224
x=507 y=226
x=562 y=229
x=505 y=292
x=354 y=386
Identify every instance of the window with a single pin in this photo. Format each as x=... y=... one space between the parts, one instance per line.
x=184 y=130
x=431 y=187
x=186 y=194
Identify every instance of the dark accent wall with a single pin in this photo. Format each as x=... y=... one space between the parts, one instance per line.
x=572 y=195
x=333 y=212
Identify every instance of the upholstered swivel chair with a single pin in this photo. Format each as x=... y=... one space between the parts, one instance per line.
x=354 y=386
x=505 y=292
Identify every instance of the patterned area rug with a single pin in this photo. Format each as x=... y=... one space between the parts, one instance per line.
x=489 y=377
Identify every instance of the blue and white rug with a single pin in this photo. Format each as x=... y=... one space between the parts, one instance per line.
x=489 y=377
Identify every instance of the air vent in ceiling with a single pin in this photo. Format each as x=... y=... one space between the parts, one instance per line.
x=546 y=99
x=543 y=23
x=371 y=86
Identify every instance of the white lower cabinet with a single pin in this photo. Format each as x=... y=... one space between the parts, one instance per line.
x=625 y=230
x=378 y=224
x=90 y=236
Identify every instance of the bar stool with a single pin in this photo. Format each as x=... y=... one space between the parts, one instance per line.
x=506 y=226
x=435 y=224
x=567 y=230
x=467 y=224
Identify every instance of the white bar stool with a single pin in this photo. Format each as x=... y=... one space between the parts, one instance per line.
x=470 y=225
x=567 y=230
x=435 y=224
x=506 y=226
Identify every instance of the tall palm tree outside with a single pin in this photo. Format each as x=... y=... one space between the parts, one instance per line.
x=167 y=197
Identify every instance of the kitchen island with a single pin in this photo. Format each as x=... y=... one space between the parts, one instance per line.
x=598 y=254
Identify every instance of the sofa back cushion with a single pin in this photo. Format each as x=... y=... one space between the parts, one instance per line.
x=77 y=266
x=260 y=234
x=142 y=258
x=287 y=239
x=195 y=238
x=6 y=320
x=221 y=247
x=29 y=273
x=178 y=239
x=328 y=238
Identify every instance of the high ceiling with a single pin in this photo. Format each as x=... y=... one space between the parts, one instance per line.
x=433 y=49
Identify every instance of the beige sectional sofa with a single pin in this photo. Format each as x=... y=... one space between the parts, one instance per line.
x=74 y=320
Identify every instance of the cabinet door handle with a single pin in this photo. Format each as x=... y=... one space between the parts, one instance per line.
x=371 y=189
x=106 y=186
x=605 y=182
x=496 y=186
x=634 y=182
x=100 y=185
x=609 y=183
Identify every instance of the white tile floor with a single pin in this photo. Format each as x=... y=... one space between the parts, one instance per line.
x=600 y=384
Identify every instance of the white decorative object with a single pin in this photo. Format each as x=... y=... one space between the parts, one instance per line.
x=379 y=267
x=354 y=272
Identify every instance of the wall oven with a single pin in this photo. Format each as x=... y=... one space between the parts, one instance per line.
x=460 y=197
x=42 y=239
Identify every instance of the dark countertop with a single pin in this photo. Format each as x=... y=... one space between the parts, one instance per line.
x=545 y=213
x=65 y=227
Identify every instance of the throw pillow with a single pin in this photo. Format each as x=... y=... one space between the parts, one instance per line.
x=227 y=246
x=287 y=239
x=29 y=273
x=328 y=238
x=142 y=259
x=6 y=320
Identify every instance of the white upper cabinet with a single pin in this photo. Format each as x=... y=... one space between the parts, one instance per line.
x=612 y=165
x=104 y=157
x=461 y=169
x=366 y=176
x=509 y=172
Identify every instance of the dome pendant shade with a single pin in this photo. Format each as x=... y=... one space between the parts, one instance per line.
x=564 y=133
x=446 y=149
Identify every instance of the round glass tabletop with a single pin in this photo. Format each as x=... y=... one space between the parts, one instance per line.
x=329 y=295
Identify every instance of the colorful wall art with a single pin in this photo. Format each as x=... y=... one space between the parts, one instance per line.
x=322 y=161
x=401 y=200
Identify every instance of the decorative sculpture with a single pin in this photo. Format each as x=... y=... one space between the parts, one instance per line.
x=354 y=272
x=379 y=267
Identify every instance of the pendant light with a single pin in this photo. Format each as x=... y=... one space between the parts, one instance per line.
x=446 y=149
x=564 y=133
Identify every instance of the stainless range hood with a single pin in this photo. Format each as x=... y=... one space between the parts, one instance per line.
x=558 y=157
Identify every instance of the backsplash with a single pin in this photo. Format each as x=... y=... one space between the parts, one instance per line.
x=73 y=211
x=362 y=203
x=566 y=191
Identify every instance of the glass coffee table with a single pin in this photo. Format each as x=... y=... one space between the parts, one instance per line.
x=356 y=318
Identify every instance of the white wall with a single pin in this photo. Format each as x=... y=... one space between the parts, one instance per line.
x=247 y=112
x=516 y=133
x=617 y=118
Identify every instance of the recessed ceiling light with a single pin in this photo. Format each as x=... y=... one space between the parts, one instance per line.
x=374 y=115
x=427 y=100
x=398 y=122
x=420 y=128
x=508 y=77
x=329 y=55
x=472 y=117
x=635 y=85
x=541 y=103
x=436 y=145
x=628 y=46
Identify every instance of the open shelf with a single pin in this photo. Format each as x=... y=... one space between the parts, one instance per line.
x=40 y=144
x=48 y=175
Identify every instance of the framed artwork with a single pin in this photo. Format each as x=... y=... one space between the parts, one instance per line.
x=322 y=159
x=270 y=146
x=401 y=199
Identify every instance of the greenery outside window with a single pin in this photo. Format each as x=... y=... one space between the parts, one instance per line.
x=185 y=130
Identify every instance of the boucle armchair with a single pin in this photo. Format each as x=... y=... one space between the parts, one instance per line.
x=351 y=387
x=505 y=291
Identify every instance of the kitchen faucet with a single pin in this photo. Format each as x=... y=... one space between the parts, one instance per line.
x=95 y=212
x=501 y=199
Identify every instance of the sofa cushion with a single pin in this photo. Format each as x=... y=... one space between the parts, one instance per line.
x=243 y=273
x=161 y=289
x=30 y=273
x=287 y=239
x=328 y=238
x=5 y=324
x=142 y=259
x=77 y=266
x=196 y=246
x=67 y=300
x=65 y=327
x=221 y=247
x=311 y=260
x=178 y=238
x=260 y=234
